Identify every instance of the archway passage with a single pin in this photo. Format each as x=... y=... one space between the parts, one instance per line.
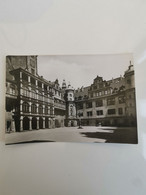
x=46 y=122
x=25 y=123
x=34 y=123
x=41 y=123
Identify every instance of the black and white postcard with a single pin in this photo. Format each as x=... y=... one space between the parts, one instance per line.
x=71 y=98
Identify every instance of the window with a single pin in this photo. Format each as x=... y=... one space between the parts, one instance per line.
x=33 y=94
x=89 y=105
x=105 y=92
x=12 y=90
x=80 y=106
x=25 y=91
x=89 y=113
x=25 y=107
x=51 y=110
x=111 y=101
x=121 y=99
x=46 y=109
x=100 y=93
x=80 y=114
x=99 y=112
x=99 y=103
x=120 y=111
x=111 y=111
x=33 y=108
x=80 y=98
x=40 y=109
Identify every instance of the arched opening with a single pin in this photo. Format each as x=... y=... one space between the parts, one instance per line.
x=25 y=107
x=25 y=123
x=41 y=123
x=34 y=123
x=46 y=122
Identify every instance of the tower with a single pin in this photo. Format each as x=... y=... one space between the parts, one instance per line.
x=130 y=95
x=71 y=119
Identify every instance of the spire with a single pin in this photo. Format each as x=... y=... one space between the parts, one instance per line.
x=63 y=84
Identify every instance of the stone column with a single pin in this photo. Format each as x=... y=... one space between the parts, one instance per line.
x=37 y=122
x=21 y=123
x=43 y=108
x=13 y=126
x=43 y=122
x=30 y=123
x=21 y=102
x=49 y=123
x=53 y=121
x=37 y=110
x=30 y=107
x=29 y=79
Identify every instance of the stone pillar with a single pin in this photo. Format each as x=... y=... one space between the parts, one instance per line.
x=43 y=108
x=53 y=110
x=37 y=122
x=28 y=79
x=30 y=107
x=53 y=123
x=21 y=123
x=49 y=123
x=13 y=126
x=43 y=123
x=21 y=102
x=20 y=75
x=49 y=110
x=30 y=123
x=37 y=110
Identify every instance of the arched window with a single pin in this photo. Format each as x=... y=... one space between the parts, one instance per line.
x=25 y=107
x=33 y=108
x=46 y=109
x=40 y=109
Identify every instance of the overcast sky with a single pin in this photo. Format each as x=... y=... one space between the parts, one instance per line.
x=80 y=70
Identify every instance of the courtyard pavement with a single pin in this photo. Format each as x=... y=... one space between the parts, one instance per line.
x=88 y=134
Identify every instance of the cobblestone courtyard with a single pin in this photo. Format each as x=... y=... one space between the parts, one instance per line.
x=88 y=134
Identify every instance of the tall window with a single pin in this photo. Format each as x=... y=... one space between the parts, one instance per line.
x=121 y=99
x=25 y=107
x=33 y=108
x=99 y=103
x=33 y=94
x=99 y=112
x=25 y=91
x=12 y=90
x=110 y=101
x=80 y=106
x=46 y=109
x=89 y=105
x=40 y=109
x=51 y=110
x=120 y=111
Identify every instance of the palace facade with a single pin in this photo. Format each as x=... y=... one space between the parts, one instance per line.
x=33 y=102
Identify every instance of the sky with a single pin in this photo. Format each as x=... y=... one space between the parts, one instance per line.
x=80 y=70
